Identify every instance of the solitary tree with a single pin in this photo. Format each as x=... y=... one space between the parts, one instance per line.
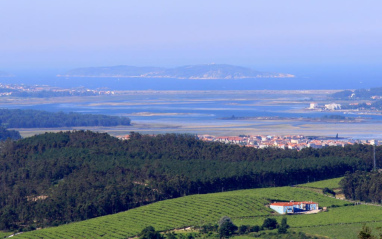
x=283 y=228
x=149 y=233
x=365 y=233
x=270 y=223
x=223 y=220
x=243 y=229
x=226 y=227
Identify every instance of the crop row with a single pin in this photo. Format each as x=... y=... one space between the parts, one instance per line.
x=181 y=212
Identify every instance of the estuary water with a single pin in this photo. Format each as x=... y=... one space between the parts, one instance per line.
x=203 y=109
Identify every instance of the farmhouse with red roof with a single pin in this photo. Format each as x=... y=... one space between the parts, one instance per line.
x=294 y=207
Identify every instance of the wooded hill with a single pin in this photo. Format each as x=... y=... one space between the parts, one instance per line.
x=9 y=134
x=363 y=186
x=16 y=118
x=55 y=178
x=358 y=94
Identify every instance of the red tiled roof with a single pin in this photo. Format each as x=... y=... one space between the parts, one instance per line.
x=291 y=203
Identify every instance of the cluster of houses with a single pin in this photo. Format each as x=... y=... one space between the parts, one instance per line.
x=283 y=142
x=39 y=88
x=332 y=106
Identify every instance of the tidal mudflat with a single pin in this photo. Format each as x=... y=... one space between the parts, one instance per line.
x=200 y=112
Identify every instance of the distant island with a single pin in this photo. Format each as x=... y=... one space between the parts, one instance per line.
x=196 y=72
x=5 y=74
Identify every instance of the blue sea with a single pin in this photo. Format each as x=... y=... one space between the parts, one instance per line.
x=208 y=107
x=307 y=78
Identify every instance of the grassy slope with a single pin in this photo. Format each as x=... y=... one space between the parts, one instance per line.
x=181 y=212
x=341 y=231
x=245 y=207
x=5 y=234
x=330 y=183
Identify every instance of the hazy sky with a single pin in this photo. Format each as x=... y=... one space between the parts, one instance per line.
x=76 y=33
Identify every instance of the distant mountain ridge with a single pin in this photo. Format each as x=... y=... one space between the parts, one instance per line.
x=201 y=72
x=5 y=74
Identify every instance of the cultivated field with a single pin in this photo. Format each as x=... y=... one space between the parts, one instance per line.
x=244 y=207
x=329 y=183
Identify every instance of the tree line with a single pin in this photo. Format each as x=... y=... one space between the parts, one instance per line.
x=9 y=134
x=358 y=94
x=16 y=118
x=363 y=186
x=56 y=178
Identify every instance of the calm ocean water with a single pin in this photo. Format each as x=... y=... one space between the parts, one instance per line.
x=314 y=77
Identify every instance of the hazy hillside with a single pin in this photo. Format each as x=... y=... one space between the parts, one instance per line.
x=358 y=94
x=5 y=74
x=208 y=71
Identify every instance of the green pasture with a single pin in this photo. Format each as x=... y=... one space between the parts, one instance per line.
x=333 y=217
x=345 y=230
x=245 y=207
x=329 y=183
x=5 y=234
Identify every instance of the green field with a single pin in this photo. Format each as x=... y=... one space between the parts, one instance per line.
x=341 y=231
x=329 y=183
x=5 y=234
x=244 y=207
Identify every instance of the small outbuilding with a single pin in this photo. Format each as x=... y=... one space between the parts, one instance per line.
x=294 y=207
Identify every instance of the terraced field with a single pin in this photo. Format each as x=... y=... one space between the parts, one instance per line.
x=244 y=207
x=330 y=183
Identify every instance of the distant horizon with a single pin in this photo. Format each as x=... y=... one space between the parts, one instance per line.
x=64 y=35
x=313 y=77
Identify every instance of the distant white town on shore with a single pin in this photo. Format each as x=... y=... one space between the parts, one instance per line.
x=285 y=142
x=297 y=142
x=332 y=106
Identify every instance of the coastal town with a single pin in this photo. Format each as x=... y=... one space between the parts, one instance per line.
x=22 y=90
x=296 y=142
x=286 y=141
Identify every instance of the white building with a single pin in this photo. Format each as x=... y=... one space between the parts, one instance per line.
x=293 y=207
x=333 y=106
x=313 y=105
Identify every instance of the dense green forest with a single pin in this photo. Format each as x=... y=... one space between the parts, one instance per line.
x=55 y=178
x=363 y=186
x=9 y=134
x=16 y=118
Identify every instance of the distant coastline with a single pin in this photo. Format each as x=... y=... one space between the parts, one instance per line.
x=340 y=119
x=169 y=77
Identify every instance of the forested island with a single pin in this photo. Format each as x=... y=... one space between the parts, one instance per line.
x=16 y=118
x=57 y=178
x=202 y=72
